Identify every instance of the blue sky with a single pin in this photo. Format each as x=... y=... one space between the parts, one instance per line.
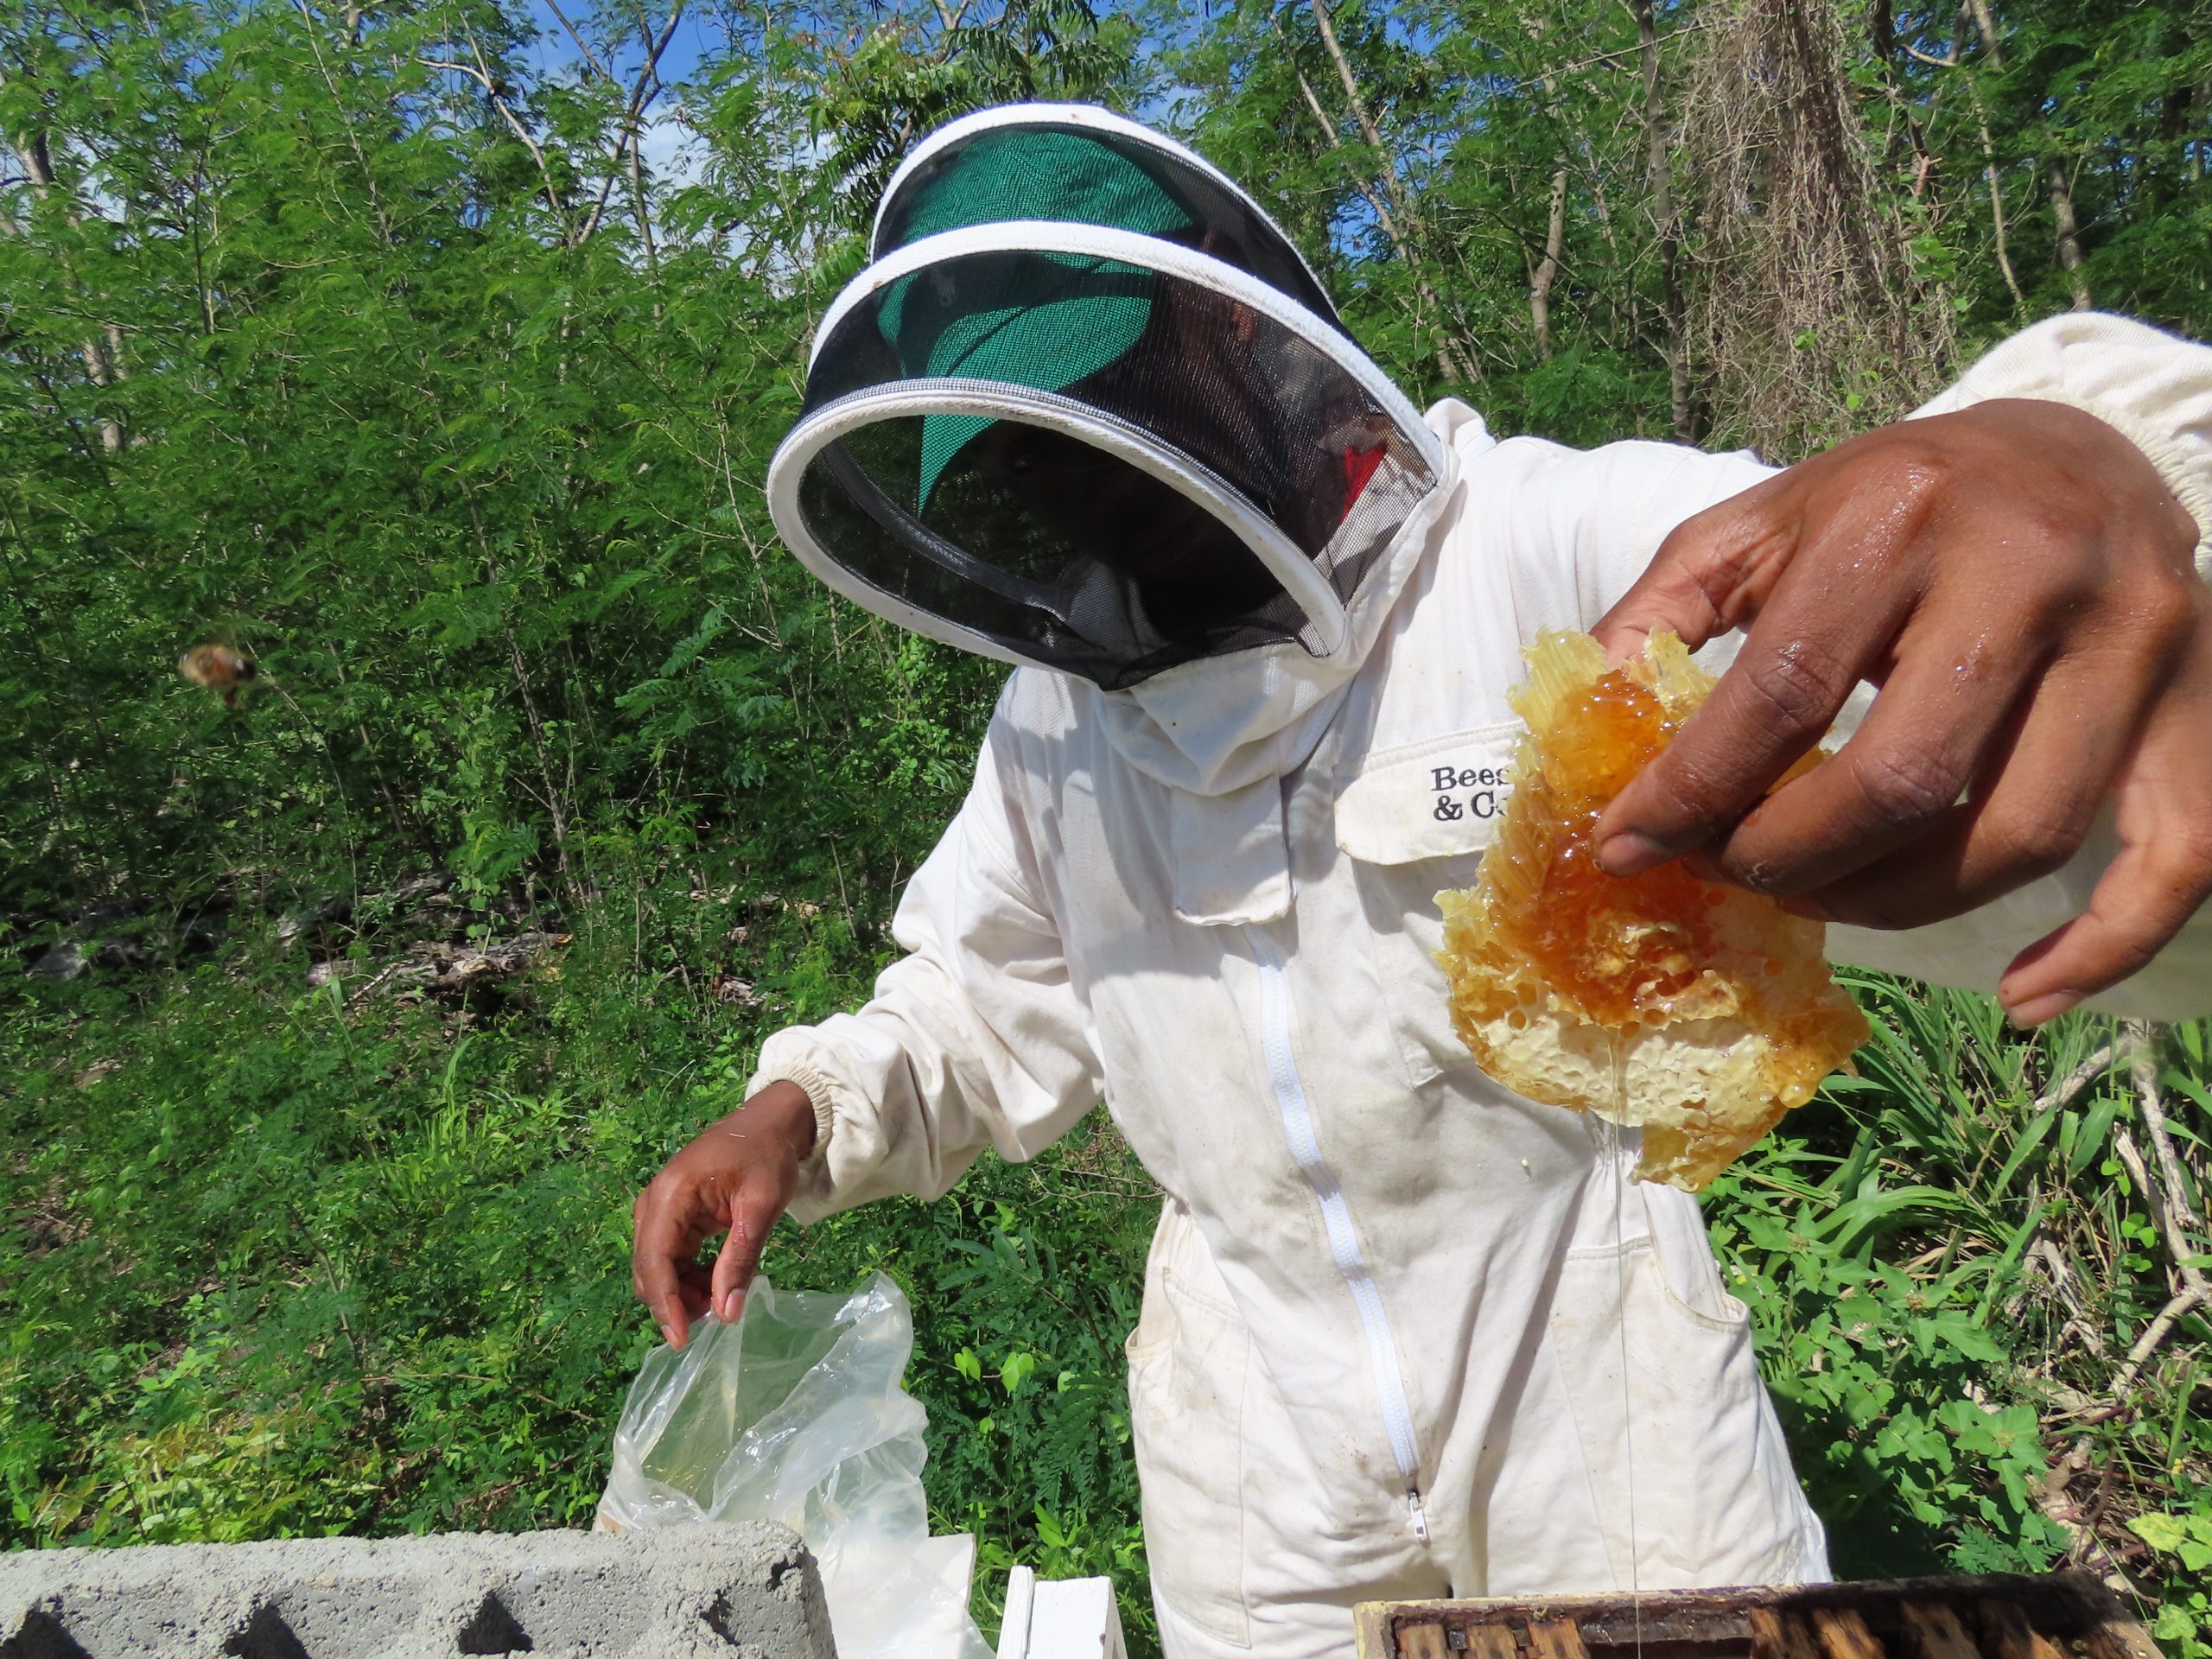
x=555 y=50
x=667 y=145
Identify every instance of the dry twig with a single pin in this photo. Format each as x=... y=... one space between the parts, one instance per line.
x=2074 y=1082
x=1810 y=321
x=2166 y=1196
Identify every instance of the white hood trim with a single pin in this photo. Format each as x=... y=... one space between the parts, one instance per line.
x=1301 y=578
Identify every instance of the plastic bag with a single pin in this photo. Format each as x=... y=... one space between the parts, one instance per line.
x=795 y=1414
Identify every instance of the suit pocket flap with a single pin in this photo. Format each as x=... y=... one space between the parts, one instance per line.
x=1437 y=798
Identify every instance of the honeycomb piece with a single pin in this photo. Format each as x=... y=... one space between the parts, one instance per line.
x=1698 y=1013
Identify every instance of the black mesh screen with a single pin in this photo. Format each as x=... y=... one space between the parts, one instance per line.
x=1064 y=553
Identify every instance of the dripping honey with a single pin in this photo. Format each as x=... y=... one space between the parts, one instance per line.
x=1700 y=1012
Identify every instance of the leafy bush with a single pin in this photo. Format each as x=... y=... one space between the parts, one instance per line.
x=2184 y=1622
x=1948 y=1259
x=428 y=376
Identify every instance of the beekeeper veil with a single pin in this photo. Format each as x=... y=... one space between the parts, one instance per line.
x=1087 y=408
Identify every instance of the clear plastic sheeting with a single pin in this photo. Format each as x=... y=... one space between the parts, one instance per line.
x=795 y=1414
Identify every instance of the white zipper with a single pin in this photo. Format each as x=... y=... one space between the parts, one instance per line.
x=1336 y=1220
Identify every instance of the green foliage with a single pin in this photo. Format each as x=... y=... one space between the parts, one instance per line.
x=436 y=363
x=1944 y=1258
x=2184 y=1623
x=285 y=1260
x=914 y=71
x=282 y=1262
x=1433 y=240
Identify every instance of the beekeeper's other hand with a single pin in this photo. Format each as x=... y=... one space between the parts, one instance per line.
x=2017 y=581
x=737 y=1177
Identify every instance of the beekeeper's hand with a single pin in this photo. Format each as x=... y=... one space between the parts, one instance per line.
x=2018 y=582
x=737 y=1177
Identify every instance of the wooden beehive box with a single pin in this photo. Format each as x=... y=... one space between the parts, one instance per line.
x=2005 y=1616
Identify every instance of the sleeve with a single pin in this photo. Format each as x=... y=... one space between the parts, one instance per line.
x=2154 y=387
x=1972 y=952
x=2156 y=390
x=1592 y=522
x=1602 y=514
x=975 y=1036
x=1579 y=526
x=1638 y=493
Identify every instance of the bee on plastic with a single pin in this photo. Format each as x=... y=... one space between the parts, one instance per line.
x=220 y=668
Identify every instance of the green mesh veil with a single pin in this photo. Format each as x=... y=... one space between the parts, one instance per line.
x=1087 y=408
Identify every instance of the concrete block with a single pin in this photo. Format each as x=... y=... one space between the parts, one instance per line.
x=748 y=1591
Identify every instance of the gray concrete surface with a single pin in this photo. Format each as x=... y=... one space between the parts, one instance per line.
x=673 y=1592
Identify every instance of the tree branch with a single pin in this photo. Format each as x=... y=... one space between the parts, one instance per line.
x=1382 y=215
x=640 y=96
x=591 y=58
x=2057 y=185
x=344 y=120
x=1458 y=361
x=1995 y=182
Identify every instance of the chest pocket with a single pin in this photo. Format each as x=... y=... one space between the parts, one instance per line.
x=1413 y=821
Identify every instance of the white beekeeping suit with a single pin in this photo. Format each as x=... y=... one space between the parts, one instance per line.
x=1382 y=1345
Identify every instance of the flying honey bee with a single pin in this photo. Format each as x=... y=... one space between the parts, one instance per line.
x=220 y=668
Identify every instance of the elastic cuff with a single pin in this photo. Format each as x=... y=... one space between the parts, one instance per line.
x=820 y=1091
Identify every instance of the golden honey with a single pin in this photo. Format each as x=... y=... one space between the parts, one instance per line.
x=1698 y=1012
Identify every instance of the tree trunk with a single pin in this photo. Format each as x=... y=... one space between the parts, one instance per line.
x=1659 y=182
x=1540 y=279
x=2069 y=240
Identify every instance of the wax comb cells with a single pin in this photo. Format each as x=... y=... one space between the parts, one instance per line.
x=1698 y=1013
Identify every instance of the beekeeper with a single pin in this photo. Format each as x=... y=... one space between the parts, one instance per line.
x=1404 y=1332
